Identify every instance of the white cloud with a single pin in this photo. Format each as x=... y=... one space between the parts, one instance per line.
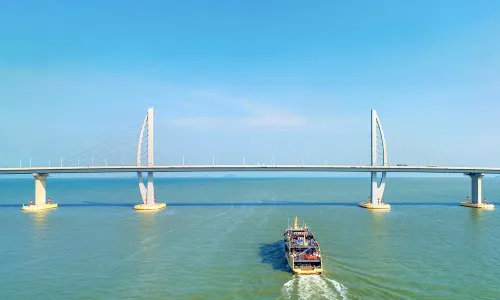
x=276 y=120
x=213 y=109
x=199 y=122
x=232 y=122
x=177 y=106
x=249 y=113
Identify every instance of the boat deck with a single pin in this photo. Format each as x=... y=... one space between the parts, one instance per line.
x=307 y=261
x=297 y=246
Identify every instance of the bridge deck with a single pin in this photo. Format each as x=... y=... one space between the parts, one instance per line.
x=243 y=168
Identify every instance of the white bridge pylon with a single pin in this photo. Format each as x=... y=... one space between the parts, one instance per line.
x=147 y=192
x=377 y=186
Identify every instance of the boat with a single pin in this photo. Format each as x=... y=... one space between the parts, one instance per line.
x=302 y=251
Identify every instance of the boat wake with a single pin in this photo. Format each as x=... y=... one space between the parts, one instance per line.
x=304 y=287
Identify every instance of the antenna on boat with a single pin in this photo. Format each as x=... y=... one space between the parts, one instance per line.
x=288 y=222
x=296 y=223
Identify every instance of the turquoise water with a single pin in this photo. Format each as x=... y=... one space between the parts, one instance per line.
x=220 y=239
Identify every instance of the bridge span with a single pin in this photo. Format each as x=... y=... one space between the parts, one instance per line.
x=379 y=165
x=249 y=168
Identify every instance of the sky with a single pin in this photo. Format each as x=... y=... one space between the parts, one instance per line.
x=253 y=79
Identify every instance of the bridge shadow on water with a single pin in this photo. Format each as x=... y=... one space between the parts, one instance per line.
x=274 y=254
x=425 y=204
x=230 y=204
x=97 y=204
x=273 y=203
x=84 y=204
x=305 y=203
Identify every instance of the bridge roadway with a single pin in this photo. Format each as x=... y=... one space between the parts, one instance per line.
x=240 y=168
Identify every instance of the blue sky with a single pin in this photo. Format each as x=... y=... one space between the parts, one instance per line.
x=253 y=78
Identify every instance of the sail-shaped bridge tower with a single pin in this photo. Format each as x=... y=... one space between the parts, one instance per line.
x=378 y=158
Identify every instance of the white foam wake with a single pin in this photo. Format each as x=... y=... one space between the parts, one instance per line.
x=307 y=287
x=339 y=287
x=287 y=290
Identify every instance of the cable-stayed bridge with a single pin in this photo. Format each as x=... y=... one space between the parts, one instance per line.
x=95 y=160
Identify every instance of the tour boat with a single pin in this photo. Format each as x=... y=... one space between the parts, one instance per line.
x=302 y=250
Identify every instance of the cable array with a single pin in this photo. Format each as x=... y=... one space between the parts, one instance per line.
x=144 y=147
x=121 y=149
x=379 y=146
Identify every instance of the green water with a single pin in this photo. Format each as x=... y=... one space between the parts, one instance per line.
x=220 y=239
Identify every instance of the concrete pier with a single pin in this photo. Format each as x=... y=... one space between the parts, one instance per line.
x=40 y=188
x=150 y=199
x=376 y=193
x=150 y=194
x=476 y=193
x=40 y=194
x=477 y=187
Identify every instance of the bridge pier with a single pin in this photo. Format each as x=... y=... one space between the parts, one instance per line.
x=40 y=194
x=148 y=194
x=477 y=193
x=376 y=193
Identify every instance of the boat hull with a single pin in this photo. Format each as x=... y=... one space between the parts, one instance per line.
x=308 y=272
x=300 y=271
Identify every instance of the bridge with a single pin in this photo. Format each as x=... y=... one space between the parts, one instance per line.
x=145 y=151
x=246 y=168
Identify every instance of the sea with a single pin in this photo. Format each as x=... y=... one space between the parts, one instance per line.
x=221 y=238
